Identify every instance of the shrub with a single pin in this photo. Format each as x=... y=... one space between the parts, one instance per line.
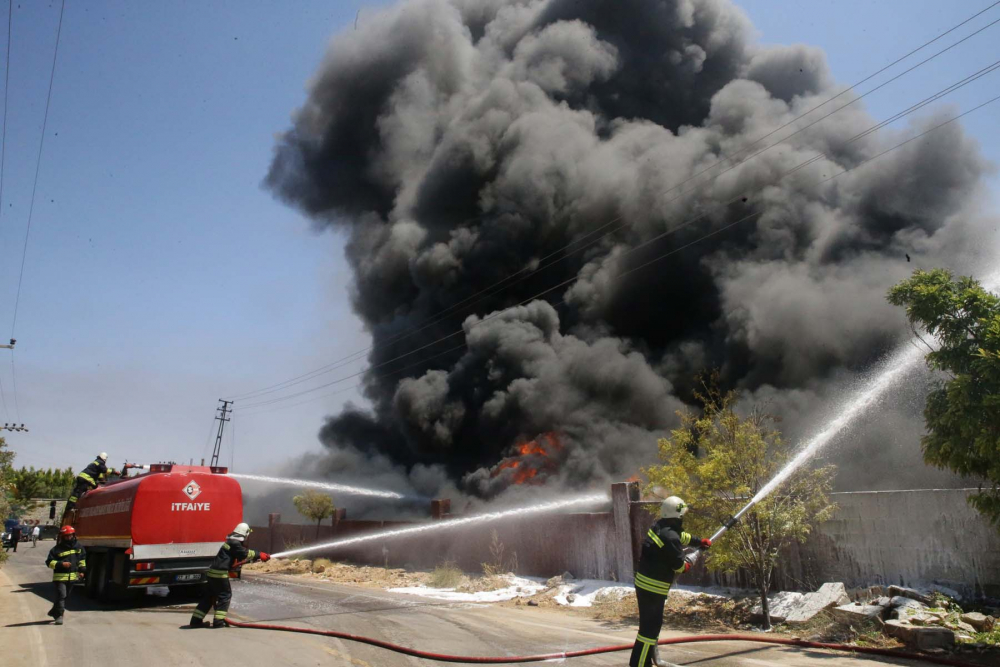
x=446 y=575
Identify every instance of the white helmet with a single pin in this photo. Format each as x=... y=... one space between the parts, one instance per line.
x=103 y=456
x=241 y=531
x=673 y=508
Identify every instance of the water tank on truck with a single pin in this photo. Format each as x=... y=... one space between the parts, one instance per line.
x=160 y=528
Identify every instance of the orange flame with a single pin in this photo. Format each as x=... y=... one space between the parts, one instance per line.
x=531 y=457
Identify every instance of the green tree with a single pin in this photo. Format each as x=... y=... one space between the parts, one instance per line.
x=6 y=485
x=962 y=413
x=717 y=461
x=30 y=483
x=315 y=505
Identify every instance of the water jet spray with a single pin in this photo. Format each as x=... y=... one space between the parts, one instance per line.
x=895 y=367
x=447 y=524
x=329 y=486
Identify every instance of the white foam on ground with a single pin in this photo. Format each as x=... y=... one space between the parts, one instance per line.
x=519 y=587
x=584 y=591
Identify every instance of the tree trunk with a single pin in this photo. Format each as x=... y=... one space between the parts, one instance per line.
x=765 y=606
x=317 y=527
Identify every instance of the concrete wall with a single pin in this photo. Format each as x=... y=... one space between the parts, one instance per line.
x=911 y=538
x=544 y=545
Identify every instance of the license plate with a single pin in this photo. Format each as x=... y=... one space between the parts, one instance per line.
x=188 y=577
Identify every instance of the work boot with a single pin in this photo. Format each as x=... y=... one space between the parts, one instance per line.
x=196 y=623
x=58 y=620
x=218 y=623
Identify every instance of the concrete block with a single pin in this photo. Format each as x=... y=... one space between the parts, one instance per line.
x=923 y=638
x=900 y=601
x=852 y=613
x=981 y=622
x=828 y=595
x=781 y=604
x=909 y=593
x=923 y=618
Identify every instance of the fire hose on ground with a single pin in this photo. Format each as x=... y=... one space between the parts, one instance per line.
x=500 y=660
x=562 y=655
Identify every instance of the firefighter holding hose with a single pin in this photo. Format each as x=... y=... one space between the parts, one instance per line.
x=661 y=560
x=231 y=557
x=95 y=473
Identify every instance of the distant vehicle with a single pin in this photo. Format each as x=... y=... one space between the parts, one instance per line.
x=161 y=528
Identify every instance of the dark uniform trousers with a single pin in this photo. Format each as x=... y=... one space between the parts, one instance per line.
x=650 y=623
x=227 y=564
x=63 y=589
x=220 y=594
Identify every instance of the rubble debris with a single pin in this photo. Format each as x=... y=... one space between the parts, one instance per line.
x=856 y=611
x=981 y=622
x=780 y=606
x=828 y=595
x=922 y=638
x=902 y=591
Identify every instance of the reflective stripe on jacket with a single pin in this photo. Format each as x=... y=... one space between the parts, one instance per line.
x=230 y=558
x=72 y=553
x=662 y=556
x=94 y=473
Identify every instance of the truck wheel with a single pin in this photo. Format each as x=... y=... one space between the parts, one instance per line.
x=102 y=585
x=90 y=583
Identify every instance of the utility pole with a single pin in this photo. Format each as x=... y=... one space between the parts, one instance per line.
x=222 y=418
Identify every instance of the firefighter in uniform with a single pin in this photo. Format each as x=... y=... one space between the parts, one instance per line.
x=68 y=561
x=226 y=566
x=94 y=474
x=662 y=558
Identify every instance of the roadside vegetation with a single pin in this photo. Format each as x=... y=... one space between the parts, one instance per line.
x=446 y=575
x=717 y=461
x=316 y=506
x=962 y=413
x=6 y=486
x=28 y=483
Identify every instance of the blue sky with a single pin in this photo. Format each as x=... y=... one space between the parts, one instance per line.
x=160 y=276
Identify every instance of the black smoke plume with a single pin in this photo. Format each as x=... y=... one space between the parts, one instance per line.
x=462 y=142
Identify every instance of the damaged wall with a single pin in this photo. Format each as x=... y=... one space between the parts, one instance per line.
x=910 y=538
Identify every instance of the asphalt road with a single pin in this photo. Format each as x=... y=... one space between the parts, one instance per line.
x=150 y=630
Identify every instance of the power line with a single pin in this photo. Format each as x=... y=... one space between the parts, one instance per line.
x=488 y=291
x=38 y=164
x=13 y=379
x=6 y=84
x=973 y=77
x=3 y=155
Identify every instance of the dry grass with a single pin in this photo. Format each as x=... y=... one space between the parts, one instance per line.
x=446 y=575
x=321 y=565
x=616 y=607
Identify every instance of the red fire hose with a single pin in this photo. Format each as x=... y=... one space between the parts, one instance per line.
x=474 y=659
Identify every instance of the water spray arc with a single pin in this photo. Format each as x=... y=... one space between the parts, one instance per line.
x=589 y=499
x=895 y=367
x=329 y=486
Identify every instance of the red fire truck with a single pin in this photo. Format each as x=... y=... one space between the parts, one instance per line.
x=159 y=528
